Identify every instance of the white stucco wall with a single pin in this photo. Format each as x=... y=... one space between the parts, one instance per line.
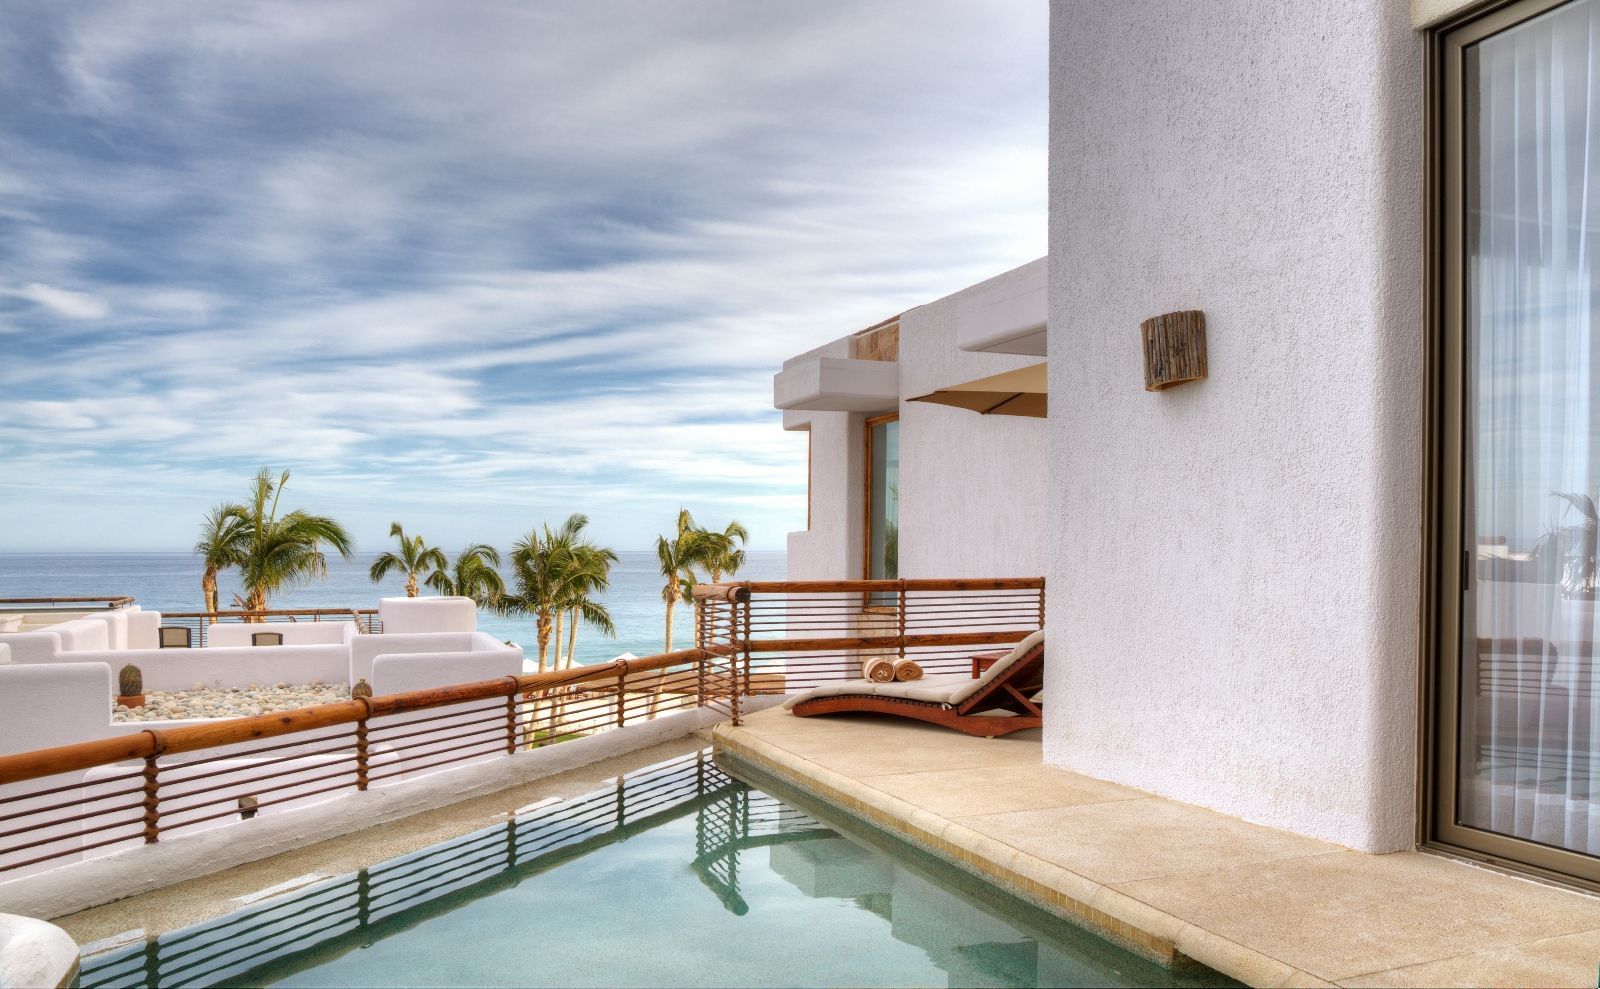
x=972 y=487
x=1234 y=563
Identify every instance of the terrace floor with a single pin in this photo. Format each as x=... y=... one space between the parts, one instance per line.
x=1173 y=880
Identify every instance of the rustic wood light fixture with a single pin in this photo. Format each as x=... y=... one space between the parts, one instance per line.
x=1174 y=348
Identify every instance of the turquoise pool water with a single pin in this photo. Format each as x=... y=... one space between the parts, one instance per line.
x=677 y=875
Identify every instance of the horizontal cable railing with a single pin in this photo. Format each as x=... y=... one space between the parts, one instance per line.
x=753 y=638
x=777 y=637
x=69 y=802
x=199 y=622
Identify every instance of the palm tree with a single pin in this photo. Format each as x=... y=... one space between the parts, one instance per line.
x=415 y=556
x=540 y=563
x=722 y=553
x=283 y=551
x=221 y=545
x=678 y=559
x=588 y=574
x=474 y=576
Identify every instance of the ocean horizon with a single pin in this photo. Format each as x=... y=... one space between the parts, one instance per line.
x=170 y=582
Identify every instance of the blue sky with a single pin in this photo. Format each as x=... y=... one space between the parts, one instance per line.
x=475 y=265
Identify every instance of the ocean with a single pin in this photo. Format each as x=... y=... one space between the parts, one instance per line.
x=171 y=582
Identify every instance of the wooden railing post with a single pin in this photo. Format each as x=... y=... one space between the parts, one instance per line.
x=362 y=766
x=511 y=722
x=1041 y=602
x=622 y=693
x=152 y=799
x=901 y=634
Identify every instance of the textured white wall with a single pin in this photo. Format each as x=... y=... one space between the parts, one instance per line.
x=1234 y=568
x=972 y=487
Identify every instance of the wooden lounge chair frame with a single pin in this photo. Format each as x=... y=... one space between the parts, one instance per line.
x=1008 y=692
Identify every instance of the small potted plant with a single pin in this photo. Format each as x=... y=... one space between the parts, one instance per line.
x=130 y=687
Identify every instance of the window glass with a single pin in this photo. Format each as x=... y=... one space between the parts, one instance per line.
x=1529 y=707
x=883 y=541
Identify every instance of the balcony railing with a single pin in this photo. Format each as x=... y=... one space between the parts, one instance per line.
x=777 y=637
x=366 y=619
x=753 y=638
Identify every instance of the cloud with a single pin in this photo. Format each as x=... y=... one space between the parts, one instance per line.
x=482 y=264
x=61 y=302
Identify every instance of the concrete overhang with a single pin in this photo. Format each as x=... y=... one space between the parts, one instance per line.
x=1008 y=318
x=837 y=384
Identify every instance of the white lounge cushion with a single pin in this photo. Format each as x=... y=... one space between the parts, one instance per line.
x=949 y=689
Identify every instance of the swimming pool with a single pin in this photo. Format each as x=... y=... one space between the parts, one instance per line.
x=677 y=875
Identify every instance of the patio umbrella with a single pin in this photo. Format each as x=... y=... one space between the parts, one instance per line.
x=1022 y=392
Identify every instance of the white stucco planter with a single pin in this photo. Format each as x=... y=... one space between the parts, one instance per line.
x=35 y=953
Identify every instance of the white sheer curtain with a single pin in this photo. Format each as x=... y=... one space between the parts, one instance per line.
x=1530 y=704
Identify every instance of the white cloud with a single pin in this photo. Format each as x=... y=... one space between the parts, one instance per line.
x=62 y=302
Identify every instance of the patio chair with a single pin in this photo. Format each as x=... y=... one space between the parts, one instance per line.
x=1000 y=701
x=266 y=638
x=174 y=636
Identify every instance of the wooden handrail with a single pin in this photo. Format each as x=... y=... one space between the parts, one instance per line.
x=952 y=584
x=269 y=613
x=112 y=602
x=23 y=766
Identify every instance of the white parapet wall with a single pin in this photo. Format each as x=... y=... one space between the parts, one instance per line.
x=36 y=953
x=294 y=633
x=435 y=614
x=225 y=667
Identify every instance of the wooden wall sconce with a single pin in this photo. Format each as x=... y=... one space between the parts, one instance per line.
x=1174 y=349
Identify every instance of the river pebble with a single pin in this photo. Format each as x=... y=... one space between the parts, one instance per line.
x=232 y=702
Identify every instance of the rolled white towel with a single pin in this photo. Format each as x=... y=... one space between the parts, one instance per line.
x=906 y=671
x=878 y=670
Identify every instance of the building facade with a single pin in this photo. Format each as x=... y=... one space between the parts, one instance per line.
x=1345 y=584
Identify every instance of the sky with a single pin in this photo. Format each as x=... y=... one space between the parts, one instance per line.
x=476 y=265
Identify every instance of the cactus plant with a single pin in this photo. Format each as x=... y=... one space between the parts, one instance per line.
x=130 y=682
x=130 y=687
x=361 y=689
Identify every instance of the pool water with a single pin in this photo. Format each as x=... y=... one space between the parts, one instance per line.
x=677 y=875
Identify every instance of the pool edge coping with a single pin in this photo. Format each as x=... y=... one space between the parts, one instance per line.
x=1148 y=931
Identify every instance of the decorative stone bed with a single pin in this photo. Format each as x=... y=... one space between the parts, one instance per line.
x=230 y=702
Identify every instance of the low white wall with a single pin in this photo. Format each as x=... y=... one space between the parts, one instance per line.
x=32 y=647
x=236 y=666
x=435 y=614
x=294 y=633
x=365 y=648
x=45 y=705
x=142 y=629
x=81 y=885
x=84 y=634
x=395 y=674
x=5 y=654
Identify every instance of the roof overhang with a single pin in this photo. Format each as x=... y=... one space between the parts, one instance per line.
x=1007 y=318
x=837 y=384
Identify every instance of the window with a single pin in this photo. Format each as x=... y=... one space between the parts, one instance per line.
x=1515 y=759
x=883 y=498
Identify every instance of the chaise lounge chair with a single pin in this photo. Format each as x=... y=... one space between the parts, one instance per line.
x=999 y=702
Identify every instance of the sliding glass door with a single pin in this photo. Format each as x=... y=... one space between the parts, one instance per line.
x=1518 y=748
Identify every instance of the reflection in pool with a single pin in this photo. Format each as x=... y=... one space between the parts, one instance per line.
x=677 y=875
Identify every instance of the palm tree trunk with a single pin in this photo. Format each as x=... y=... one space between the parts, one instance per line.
x=572 y=640
x=208 y=586
x=555 y=661
x=411 y=583
x=541 y=628
x=672 y=602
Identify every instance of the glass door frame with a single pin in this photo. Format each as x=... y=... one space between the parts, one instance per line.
x=1449 y=563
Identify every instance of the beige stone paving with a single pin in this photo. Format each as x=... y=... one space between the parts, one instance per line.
x=1265 y=906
